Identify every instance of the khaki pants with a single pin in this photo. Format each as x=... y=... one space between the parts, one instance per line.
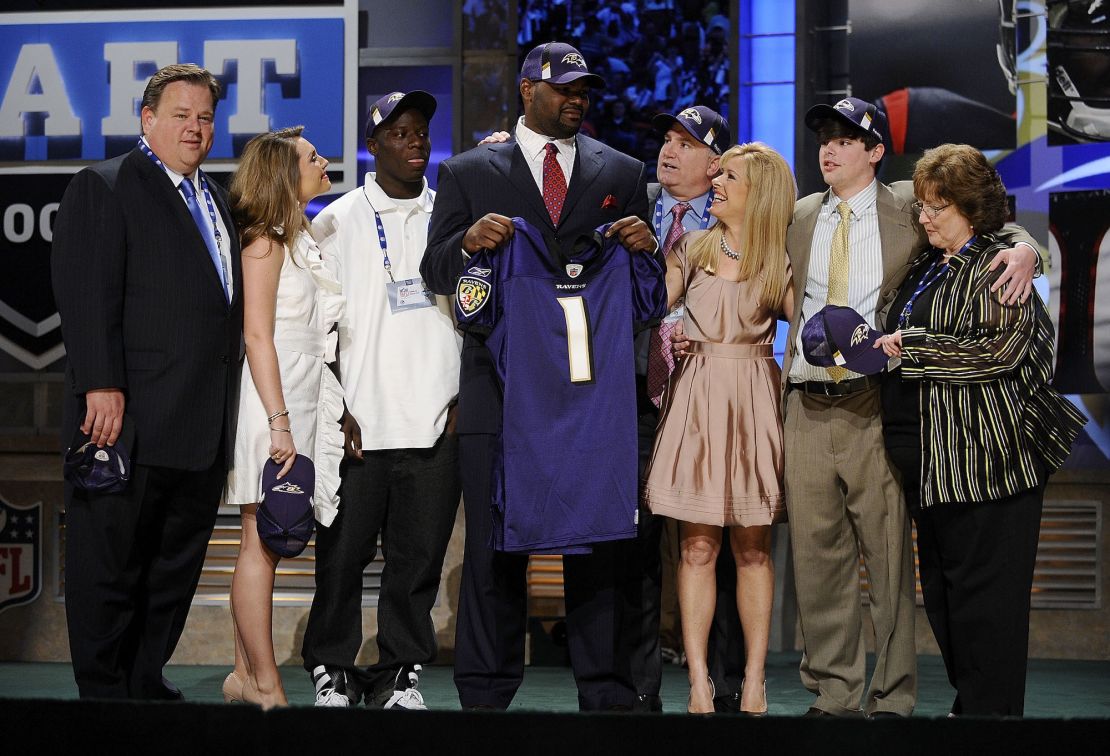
x=844 y=500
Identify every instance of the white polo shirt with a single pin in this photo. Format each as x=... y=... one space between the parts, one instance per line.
x=400 y=372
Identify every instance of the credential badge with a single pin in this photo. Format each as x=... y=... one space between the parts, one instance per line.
x=471 y=294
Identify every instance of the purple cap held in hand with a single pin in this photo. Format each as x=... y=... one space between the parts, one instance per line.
x=285 y=519
x=839 y=336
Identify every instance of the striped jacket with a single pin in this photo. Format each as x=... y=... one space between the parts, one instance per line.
x=989 y=419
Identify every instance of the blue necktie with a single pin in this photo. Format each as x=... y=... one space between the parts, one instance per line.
x=206 y=231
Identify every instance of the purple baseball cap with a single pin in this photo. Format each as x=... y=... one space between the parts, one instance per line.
x=863 y=115
x=558 y=63
x=704 y=124
x=104 y=469
x=839 y=336
x=284 y=518
x=398 y=102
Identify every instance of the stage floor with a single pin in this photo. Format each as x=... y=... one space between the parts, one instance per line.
x=1057 y=689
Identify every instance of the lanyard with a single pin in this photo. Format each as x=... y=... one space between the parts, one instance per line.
x=935 y=271
x=704 y=223
x=381 y=237
x=207 y=199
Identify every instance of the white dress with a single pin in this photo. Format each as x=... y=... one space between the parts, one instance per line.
x=309 y=303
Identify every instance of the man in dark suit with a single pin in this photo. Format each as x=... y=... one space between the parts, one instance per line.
x=146 y=275
x=587 y=185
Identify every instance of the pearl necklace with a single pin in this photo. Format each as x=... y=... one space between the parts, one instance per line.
x=728 y=250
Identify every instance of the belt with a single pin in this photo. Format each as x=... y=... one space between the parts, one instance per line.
x=844 y=388
x=731 y=351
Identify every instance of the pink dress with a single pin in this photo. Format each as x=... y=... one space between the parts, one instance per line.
x=718 y=454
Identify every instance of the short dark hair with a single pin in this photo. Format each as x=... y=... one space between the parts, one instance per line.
x=829 y=129
x=187 y=72
x=962 y=175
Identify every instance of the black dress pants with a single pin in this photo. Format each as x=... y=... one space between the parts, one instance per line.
x=410 y=497
x=133 y=561
x=976 y=562
x=493 y=607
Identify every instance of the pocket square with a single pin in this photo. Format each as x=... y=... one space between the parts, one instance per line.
x=609 y=202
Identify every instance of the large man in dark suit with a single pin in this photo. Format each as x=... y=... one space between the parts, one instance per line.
x=478 y=194
x=147 y=279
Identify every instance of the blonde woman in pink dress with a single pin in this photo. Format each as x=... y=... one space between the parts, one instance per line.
x=718 y=456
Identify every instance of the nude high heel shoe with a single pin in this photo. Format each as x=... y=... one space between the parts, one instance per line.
x=233 y=688
x=712 y=695
x=747 y=713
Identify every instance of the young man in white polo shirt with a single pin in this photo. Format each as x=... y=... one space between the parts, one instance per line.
x=399 y=359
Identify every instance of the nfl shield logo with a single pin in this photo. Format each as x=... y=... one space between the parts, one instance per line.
x=20 y=554
x=574 y=270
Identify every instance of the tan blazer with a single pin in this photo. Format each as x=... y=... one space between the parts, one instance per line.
x=901 y=236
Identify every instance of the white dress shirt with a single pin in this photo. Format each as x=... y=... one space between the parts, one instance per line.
x=225 y=247
x=534 y=147
x=865 y=269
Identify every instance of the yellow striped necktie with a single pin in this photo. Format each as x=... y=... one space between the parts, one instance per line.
x=838 y=273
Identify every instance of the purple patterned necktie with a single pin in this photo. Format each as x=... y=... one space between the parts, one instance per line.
x=554 y=184
x=660 y=358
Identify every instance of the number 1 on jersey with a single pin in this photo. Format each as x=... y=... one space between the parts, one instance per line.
x=579 y=347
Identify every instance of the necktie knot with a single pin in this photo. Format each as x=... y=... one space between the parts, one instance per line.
x=551 y=149
x=187 y=187
x=680 y=210
x=845 y=210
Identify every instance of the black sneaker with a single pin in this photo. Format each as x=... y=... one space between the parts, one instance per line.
x=333 y=688
x=404 y=694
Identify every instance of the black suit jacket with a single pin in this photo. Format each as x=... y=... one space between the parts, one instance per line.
x=143 y=310
x=495 y=178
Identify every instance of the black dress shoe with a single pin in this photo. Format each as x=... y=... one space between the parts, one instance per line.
x=815 y=712
x=648 y=702
x=885 y=715
x=168 y=692
x=729 y=704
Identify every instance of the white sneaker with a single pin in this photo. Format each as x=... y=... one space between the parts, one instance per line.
x=331 y=687
x=409 y=697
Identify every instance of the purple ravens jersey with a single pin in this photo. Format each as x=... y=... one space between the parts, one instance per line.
x=559 y=322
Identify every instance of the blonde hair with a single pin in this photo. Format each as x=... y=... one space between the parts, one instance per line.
x=264 y=190
x=770 y=206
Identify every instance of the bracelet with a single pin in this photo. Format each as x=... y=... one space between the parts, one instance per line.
x=280 y=430
x=276 y=415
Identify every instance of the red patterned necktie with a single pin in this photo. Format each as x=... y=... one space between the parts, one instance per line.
x=660 y=358
x=554 y=184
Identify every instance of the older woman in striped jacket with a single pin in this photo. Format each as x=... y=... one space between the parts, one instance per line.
x=975 y=429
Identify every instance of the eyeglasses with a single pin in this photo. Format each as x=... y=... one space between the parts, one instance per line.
x=931 y=210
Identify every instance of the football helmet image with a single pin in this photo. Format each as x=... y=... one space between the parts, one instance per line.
x=1079 y=68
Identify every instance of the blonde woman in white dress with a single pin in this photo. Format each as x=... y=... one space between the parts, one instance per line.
x=290 y=400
